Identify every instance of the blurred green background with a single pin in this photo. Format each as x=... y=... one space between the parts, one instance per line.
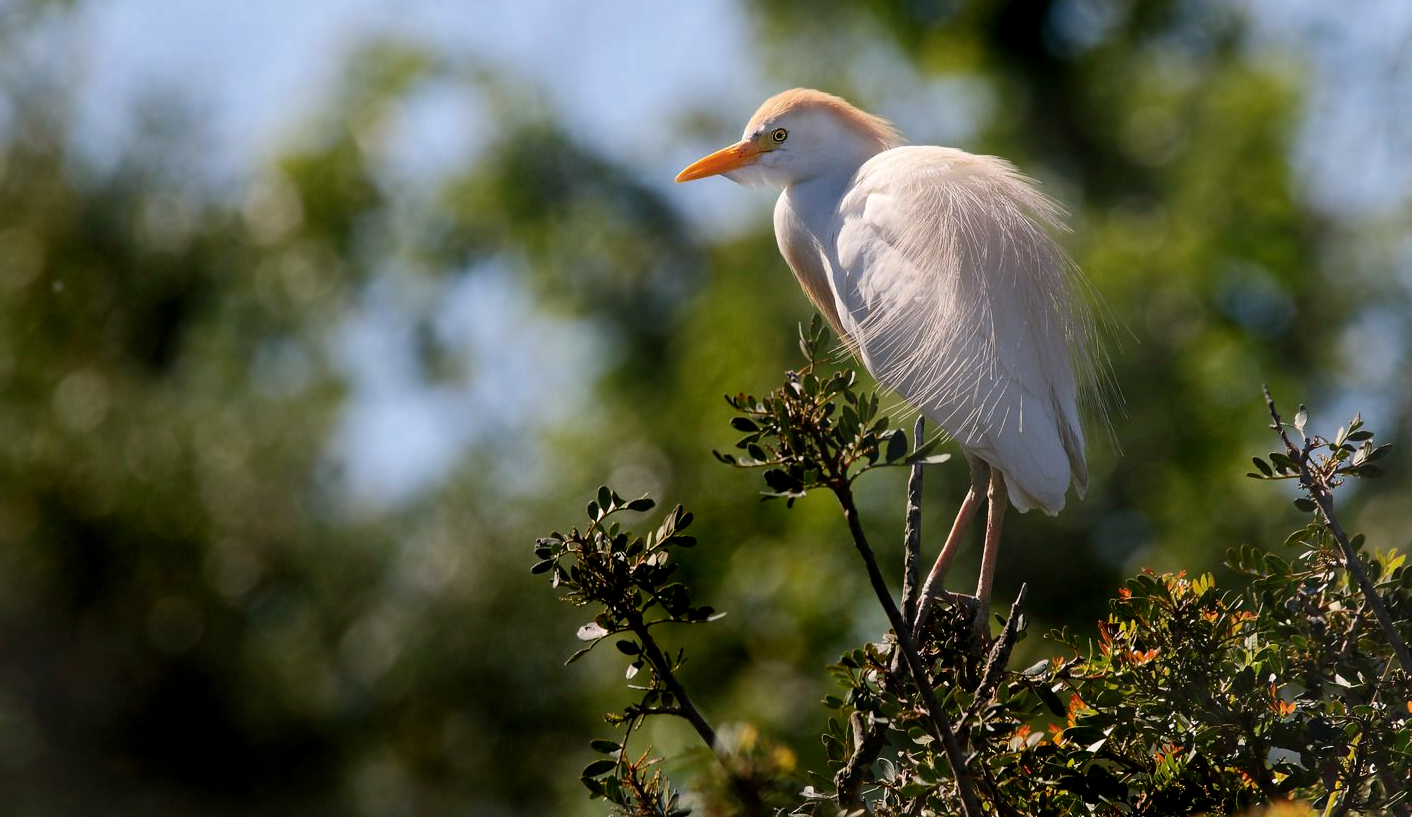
x=313 y=315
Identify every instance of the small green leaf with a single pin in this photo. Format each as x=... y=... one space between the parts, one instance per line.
x=605 y=498
x=606 y=747
x=628 y=647
x=641 y=504
x=1262 y=466
x=1305 y=504
x=599 y=767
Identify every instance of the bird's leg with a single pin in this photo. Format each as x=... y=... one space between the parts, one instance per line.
x=980 y=473
x=999 y=502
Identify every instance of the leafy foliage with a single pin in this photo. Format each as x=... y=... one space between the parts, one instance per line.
x=1188 y=697
x=1350 y=453
x=812 y=431
x=628 y=579
x=627 y=576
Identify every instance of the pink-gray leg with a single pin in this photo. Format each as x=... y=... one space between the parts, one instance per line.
x=980 y=475
x=999 y=501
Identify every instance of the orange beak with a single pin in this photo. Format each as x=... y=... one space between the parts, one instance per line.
x=726 y=159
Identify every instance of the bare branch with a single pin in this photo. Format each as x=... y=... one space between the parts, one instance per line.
x=912 y=533
x=998 y=660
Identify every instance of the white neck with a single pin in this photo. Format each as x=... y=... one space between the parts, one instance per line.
x=815 y=201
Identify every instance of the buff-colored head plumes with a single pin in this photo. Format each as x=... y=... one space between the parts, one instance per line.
x=804 y=99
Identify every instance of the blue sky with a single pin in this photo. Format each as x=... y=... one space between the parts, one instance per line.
x=617 y=69
x=621 y=74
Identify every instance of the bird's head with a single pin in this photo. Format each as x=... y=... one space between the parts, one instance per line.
x=795 y=136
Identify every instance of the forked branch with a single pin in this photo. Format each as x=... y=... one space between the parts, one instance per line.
x=936 y=716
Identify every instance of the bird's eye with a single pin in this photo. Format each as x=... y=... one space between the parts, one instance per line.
x=779 y=135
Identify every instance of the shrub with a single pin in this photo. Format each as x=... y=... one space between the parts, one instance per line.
x=1188 y=698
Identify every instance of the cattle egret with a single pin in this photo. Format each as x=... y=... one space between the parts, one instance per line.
x=937 y=269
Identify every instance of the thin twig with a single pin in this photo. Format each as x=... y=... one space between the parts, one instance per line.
x=656 y=710
x=1258 y=770
x=1326 y=506
x=1348 y=641
x=941 y=729
x=912 y=533
x=998 y=660
x=1384 y=773
x=1354 y=781
x=1002 y=808
x=1319 y=491
x=663 y=668
x=744 y=788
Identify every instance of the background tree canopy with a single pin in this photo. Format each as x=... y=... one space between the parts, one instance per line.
x=275 y=441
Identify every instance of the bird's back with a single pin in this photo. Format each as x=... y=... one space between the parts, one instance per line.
x=948 y=284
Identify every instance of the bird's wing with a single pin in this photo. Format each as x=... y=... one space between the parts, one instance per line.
x=955 y=295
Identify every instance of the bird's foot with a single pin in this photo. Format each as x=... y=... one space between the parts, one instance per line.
x=977 y=613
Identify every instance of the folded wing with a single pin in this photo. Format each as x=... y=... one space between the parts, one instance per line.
x=951 y=288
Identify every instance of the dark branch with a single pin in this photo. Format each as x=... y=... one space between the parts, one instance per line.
x=936 y=716
x=998 y=660
x=1322 y=494
x=912 y=533
x=663 y=668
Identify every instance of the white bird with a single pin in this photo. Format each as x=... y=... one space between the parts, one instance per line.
x=937 y=268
